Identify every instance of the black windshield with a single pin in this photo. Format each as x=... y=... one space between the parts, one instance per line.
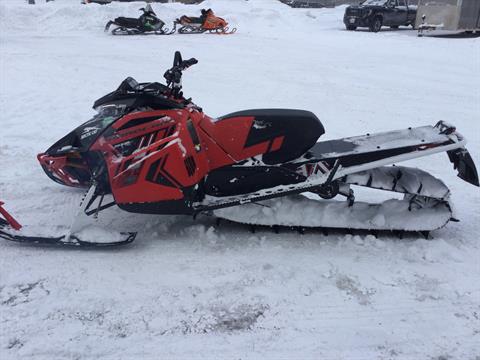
x=85 y=135
x=375 y=2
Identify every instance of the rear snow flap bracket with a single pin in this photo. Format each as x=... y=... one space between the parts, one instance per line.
x=463 y=163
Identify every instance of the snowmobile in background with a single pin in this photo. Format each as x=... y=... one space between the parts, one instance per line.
x=101 y=2
x=207 y=22
x=151 y=150
x=147 y=23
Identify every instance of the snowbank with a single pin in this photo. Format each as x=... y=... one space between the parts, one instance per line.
x=69 y=16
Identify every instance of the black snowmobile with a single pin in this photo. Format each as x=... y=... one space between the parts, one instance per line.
x=147 y=23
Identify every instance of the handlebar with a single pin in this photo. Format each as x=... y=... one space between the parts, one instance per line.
x=174 y=74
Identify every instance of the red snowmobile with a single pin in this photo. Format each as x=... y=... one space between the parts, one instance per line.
x=151 y=150
x=207 y=22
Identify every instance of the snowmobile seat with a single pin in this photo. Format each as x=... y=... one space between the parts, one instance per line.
x=192 y=19
x=127 y=22
x=299 y=130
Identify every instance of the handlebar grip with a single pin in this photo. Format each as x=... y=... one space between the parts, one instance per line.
x=190 y=62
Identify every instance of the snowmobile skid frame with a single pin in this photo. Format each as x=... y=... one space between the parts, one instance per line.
x=424 y=195
x=192 y=29
x=425 y=206
x=126 y=31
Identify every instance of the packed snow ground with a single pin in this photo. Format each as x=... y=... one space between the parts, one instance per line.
x=187 y=289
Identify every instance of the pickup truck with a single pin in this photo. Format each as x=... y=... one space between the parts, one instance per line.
x=374 y=14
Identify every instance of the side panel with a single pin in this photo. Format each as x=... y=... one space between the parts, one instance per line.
x=153 y=156
x=231 y=135
x=216 y=156
x=278 y=135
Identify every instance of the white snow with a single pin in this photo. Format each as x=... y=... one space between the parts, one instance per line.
x=99 y=234
x=297 y=210
x=189 y=289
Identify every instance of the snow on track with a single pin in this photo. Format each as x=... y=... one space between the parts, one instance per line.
x=186 y=289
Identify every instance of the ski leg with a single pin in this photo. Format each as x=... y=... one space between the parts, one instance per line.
x=81 y=221
x=77 y=224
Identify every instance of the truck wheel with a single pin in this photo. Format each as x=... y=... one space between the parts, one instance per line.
x=376 y=25
x=351 y=27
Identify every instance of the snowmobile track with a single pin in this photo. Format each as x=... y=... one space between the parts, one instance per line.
x=327 y=231
x=425 y=207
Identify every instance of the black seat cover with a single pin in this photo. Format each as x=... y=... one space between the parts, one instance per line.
x=128 y=22
x=192 y=19
x=301 y=130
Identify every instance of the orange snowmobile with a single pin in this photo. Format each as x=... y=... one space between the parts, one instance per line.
x=207 y=22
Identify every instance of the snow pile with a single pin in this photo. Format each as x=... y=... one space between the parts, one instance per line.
x=189 y=289
x=99 y=234
x=74 y=17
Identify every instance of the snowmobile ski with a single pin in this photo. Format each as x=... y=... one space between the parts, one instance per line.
x=9 y=234
x=79 y=231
